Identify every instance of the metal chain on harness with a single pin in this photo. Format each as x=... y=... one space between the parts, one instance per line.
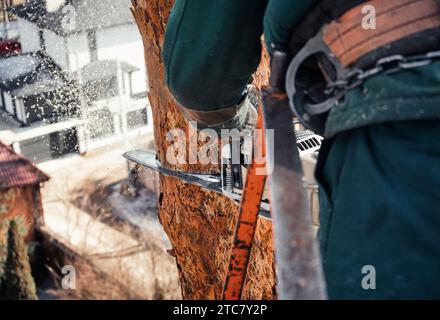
x=312 y=110
x=386 y=65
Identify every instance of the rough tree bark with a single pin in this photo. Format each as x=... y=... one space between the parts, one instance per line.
x=200 y=224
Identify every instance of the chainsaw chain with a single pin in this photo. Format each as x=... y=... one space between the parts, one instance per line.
x=388 y=65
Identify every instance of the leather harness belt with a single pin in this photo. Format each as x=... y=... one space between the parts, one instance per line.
x=347 y=51
x=396 y=20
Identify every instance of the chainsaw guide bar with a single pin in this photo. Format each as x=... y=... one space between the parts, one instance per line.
x=148 y=159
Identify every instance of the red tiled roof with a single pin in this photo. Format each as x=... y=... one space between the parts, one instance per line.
x=16 y=171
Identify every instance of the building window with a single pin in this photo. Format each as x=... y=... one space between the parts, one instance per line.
x=41 y=38
x=2 y=101
x=100 y=124
x=91 y=40
x=101 y=90
x=20 y=110
x=137 y=119
x=14 y=108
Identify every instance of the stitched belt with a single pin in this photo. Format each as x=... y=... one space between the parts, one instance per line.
x=345 y=47
x=402 y=26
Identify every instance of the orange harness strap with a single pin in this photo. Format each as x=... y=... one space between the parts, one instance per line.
x=247 y=219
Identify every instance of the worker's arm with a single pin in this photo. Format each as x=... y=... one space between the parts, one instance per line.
x=280 y=19
x=211 y=49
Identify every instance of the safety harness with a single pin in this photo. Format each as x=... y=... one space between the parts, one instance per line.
x=334 y=59
x=347 y=51
x=339 y=57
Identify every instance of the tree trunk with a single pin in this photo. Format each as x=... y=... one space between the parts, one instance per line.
x=199 y=224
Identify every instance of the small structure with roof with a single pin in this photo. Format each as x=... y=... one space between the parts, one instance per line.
x=20 y=197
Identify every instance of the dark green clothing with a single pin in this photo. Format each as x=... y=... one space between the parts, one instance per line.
x=379 y=197
x=213 y=47
x=278 y=25
x=379 y=169
x=408 y=95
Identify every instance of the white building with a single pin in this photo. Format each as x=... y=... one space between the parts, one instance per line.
x=39 y=115
x=98 y=44
x=77 y=32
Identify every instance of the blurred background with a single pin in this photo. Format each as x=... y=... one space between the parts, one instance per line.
x=73 y=99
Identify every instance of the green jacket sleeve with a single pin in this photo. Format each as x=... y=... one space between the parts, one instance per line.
x=211 y=49
x=281 y=18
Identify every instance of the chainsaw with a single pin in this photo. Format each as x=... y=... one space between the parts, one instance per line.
x=233 y=176
x=289 y=160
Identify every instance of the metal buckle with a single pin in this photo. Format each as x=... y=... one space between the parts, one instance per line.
x=312 y=116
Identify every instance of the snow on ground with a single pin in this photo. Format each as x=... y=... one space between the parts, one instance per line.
x=142 y=267
x=142 y=261
x=139 y=211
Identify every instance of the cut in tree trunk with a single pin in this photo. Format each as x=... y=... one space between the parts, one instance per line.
x=199 y=224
